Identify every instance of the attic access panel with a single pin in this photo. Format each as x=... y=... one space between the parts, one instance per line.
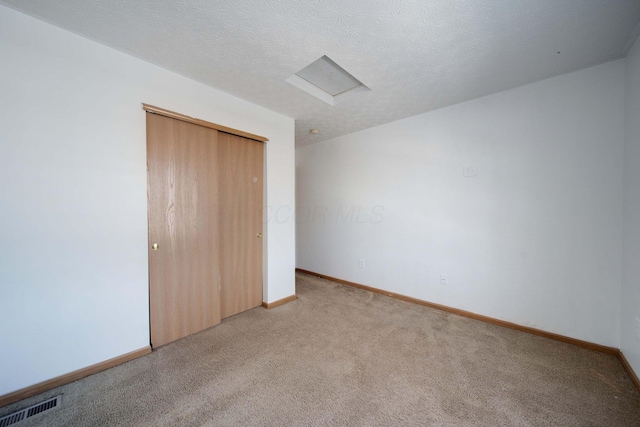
x=326 y=80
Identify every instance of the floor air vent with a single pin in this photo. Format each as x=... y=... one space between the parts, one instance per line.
x=31 y=411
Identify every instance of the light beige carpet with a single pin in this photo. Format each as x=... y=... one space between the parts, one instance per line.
x=342 y=356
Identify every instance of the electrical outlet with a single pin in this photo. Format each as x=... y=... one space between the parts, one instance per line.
x=637 y=321
x=362 y=264
x=444 y=279
x=470 y=170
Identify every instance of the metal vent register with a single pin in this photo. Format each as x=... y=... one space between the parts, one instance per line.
x=31 y=411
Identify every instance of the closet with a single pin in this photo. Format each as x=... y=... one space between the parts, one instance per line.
x=205 y=198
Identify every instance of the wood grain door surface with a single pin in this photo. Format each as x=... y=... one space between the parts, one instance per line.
x=241 y=197
x=184 y=285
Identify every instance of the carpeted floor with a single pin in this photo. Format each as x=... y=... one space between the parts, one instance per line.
x=343 y=356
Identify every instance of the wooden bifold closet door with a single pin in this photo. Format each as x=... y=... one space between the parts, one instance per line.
x=205 y=225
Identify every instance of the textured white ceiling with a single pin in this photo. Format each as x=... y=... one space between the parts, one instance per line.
x=414 y=55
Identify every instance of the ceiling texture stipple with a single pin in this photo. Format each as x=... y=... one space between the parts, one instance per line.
x=414 y=56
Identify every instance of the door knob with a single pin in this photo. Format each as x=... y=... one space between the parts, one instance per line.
x=259 y=235
x=155 y=247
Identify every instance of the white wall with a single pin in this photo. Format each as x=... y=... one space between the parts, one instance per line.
x=73 y=240
x=534 y=239
x=630 y=342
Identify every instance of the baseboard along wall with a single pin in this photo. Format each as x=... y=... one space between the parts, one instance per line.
x=279 y=302
x=71 y=376
x=93 y=369
x=629 y=369
x=586 y=344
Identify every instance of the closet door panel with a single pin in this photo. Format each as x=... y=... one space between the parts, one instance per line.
x=241 y=204
x=183 y=207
